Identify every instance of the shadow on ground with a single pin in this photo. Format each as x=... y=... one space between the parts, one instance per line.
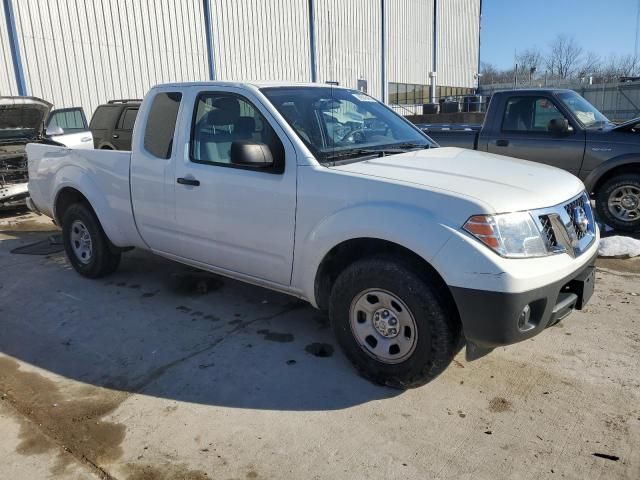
x=162 y=329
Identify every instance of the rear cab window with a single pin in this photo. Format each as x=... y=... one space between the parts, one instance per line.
x=161 y=124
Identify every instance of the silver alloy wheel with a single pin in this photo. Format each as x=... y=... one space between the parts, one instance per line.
x=624 y=203
x=383 y=325
x=81 y=241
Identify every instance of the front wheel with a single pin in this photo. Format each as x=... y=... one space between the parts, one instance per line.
x=394 y=323
x=618 y=202
x=87 y=247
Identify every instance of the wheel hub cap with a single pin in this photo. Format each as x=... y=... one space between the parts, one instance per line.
x=383 y=326
x=81 y=242
x=386 y=323
x=629 y=202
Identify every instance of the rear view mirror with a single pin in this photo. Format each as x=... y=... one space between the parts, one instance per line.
x=251 y=154
x=559 y=126
x=54 y=130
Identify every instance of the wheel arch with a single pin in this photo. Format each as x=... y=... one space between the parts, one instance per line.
x=629 y=163
x=349 y=251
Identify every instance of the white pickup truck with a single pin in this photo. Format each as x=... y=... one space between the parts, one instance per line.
x=326 y=194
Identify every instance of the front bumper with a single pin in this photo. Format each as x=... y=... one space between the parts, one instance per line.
x=491 y=319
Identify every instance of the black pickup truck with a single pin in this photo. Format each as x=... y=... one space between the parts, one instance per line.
x=561 y=128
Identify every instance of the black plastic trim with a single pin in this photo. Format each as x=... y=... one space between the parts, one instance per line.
x=490 y=319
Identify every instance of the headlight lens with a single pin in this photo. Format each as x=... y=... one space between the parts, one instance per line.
x=512 y=235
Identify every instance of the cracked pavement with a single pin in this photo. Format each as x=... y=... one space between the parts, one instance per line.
x=163 y=372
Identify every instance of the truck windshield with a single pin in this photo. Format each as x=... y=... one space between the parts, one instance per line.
x=588 y=115
x=338 y=124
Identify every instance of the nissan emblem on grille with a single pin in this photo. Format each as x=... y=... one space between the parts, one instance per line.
x=580 y=219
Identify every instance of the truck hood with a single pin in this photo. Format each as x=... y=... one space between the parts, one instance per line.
x=22 y=118
x=502 y=184
x=626 y=126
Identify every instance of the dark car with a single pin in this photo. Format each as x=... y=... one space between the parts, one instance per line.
x=112 y=124
x=562 y=129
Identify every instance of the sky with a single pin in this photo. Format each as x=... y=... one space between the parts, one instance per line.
x=605 y=27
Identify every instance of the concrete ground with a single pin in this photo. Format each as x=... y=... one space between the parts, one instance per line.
x=162 y=372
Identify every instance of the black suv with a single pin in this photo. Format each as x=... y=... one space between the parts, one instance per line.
x=112 y=124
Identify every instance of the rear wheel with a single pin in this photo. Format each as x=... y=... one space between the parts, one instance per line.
x=88 y=248
x=618 y=202
x=395 y=324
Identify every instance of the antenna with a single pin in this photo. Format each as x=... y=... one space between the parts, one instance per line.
x=635 y=50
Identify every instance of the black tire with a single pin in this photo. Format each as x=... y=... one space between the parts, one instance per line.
x=436 y=319
x=104 y=259
x=603 y=194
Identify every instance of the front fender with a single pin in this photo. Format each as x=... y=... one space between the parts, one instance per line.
x=597 y=173
x=416 y=229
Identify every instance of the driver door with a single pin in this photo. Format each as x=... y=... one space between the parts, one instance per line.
x=524 y=133
x=234 y=217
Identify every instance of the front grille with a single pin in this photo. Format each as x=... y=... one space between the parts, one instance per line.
x=547 y=231
x=570 y=209
x=567 y=227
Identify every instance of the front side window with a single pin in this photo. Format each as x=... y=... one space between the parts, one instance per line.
x=71 y=120
x=220 y=120
x=529 y=114
x=161 y=124
x=335 y=122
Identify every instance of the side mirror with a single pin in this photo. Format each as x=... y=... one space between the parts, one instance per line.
x=54 y=130
x=251 y=154
x=559 y=126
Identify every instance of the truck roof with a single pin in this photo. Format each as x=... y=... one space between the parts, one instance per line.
x=533 y=90
x=257 y=84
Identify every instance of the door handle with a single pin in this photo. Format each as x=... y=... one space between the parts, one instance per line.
x=502 y=143
x=115 y=135
x=188 y=181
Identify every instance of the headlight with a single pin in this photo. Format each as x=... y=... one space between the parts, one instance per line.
x=512 y=235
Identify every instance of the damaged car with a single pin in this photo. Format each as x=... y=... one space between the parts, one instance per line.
x=22 y=121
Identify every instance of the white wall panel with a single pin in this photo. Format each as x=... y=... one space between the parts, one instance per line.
x=409 y=41
x=261 y=40
x=458 y=37
x=84 y=53
x=349 y=42
x=8 y=85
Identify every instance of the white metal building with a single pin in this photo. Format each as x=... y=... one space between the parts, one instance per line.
x=83 y=53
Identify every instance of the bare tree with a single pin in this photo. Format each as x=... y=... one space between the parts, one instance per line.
x=564 y=56
x=529 y=61
x=620 y=66
x=590 y=66
x=491 y=74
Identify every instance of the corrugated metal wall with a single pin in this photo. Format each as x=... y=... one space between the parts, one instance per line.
x=84 y=53
x=409 y=41
x=255 y=39
x=78 y=52
x=349 y=42
x=7 y=77
x=458 y=36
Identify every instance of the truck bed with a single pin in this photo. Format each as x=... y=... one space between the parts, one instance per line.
x=452 y=135
x=101 y=176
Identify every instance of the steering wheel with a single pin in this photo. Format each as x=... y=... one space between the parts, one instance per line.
x=355 y=136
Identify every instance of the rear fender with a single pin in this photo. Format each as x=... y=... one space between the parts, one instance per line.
x=73 y=177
